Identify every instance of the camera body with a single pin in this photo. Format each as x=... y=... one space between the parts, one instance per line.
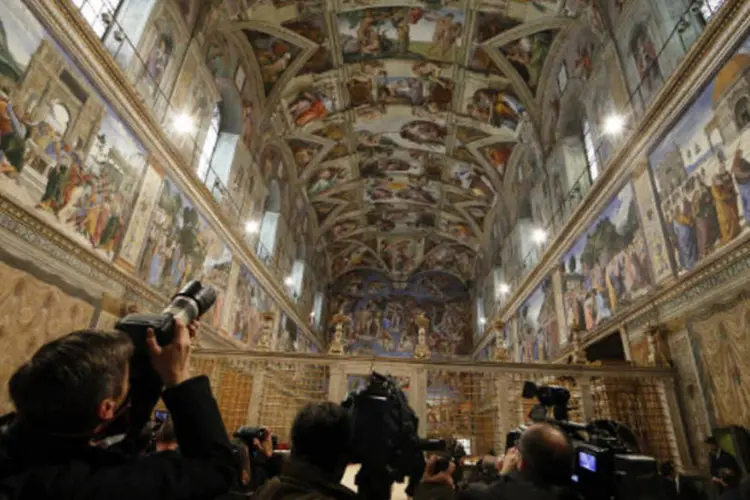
x=385 y=439
x=187 y=305
x=607 y=463
x=248 y=434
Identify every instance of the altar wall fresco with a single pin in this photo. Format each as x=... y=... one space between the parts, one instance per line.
x=379 y=314
x=74 y=164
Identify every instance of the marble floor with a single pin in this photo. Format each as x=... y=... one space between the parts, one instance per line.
x=397 y=493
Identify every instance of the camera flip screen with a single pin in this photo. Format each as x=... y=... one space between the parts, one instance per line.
x=587 y=461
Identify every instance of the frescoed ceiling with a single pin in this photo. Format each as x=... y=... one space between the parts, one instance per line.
x=403 y=119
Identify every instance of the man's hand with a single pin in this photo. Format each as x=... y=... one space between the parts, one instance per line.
x=445 y=476
x=510 y=462
x=265 y=446
x=171 y=361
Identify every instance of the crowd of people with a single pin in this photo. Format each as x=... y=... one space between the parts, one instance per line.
x=60 y=442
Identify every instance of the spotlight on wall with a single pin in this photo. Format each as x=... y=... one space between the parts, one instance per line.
x=614 y=124
x=503 y=288
x=183 y=123
x=539 y=236
x=289 y=281
x=252 y=227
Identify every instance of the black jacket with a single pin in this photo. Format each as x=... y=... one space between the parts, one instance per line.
x=518 y=486
x=34 y=467
x=723 y=460
x=434 y=491
x=301 y=480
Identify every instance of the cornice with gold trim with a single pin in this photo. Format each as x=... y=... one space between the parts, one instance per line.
x=70 y=30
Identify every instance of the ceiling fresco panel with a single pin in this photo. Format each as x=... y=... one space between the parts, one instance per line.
x=402 y=119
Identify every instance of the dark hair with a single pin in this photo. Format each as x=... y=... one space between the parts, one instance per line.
x=320 y=435
x=166 y=434
x=61 y=387
x=547 y=454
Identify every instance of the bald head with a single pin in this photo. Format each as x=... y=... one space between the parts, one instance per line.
x=547 y=454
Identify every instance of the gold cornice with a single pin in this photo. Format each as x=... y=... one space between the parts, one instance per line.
x=70 y=30
x=724 y=32
x=463 y=365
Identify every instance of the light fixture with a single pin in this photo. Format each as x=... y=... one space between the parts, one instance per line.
x=482 y=321
x=614 y=124
x=503 y=288
x=183 y=123
x=289 y=281
x=539 y=236
x=252 y=227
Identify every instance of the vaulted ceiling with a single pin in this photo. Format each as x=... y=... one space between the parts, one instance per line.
x=401 y=121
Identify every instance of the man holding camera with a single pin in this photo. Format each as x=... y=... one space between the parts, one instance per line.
x=321 y=436
x=540 y=467
x=264 y=463
x=73 y=388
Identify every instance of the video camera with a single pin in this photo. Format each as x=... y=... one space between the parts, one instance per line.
x=189 y=304
x=384 y=438
x=607 y=459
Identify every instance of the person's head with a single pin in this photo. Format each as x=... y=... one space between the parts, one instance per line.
x=546 y=454
x=166 y=439
x=712 y=444
x=241 y=455
x=321 y=435
x=74 y=385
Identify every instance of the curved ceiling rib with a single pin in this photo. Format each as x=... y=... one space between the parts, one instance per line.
x=402 y=120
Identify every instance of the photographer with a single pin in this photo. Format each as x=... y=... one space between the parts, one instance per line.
x=321 y=436
x=539 y=469
x=437 y=482
x=73 y=388
x=242 y=489
x=264 y=463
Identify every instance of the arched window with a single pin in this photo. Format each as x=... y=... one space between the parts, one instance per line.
x=98 y=13
x=742 y=113
x=209 y=145
x=480 y=316
x=270 y=223
x=710 y=7
x=590 y=148
x=295 y=281
x=317 y=312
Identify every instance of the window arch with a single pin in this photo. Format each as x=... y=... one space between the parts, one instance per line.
x=298 y=272
x=589 y=146
x=270 y=223
x=742 y=113
x=98 y=13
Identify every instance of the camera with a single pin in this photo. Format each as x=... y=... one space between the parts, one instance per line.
x=248 y=434
x=607 y=460
x=384 y=438
x=187 y=305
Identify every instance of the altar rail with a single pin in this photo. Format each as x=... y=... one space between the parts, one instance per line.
x=479 y=402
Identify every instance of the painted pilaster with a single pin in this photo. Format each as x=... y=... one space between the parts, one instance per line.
x=229 y=305
x=563 y=335
x=658 y=248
